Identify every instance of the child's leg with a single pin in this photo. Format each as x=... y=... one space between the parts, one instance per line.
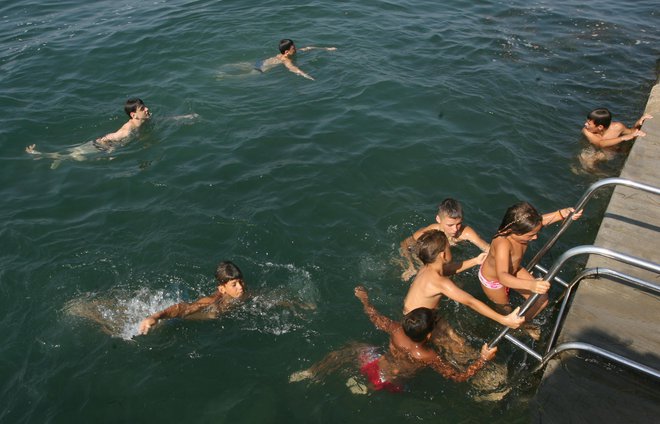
x=540 y=303
x=500 y=297
x=333 y=361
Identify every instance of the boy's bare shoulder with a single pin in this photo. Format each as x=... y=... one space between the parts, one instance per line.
x=421 y=231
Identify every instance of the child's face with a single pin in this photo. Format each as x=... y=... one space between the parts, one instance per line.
x=527 y=237
x=232 y=288
x=591 y=126
x=141 y=113
x=450 y=226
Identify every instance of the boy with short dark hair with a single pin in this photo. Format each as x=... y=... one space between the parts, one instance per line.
x=287 y=50
x=409 y=351
x=138 y=113
x=230 y=289
x=604 y=136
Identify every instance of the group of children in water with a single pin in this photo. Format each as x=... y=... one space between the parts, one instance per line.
x=417 y=339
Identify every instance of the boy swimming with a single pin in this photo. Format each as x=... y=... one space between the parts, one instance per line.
x=449 y=220
x=287 y=51
x=409 y=351
x=230 y=290
x=138 y=113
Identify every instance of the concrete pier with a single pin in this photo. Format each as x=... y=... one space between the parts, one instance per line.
x=578 y=387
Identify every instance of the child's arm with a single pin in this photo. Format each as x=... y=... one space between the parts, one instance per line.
x=471 y=235
x=560 y=215
x=502 y=251
x=179 y=310
x=638 y=124
x=293 y=68
x=452 y=291
x=446 y=370
x=380 y=321
x=451 y=268
x=308 y=48
x=598 y=140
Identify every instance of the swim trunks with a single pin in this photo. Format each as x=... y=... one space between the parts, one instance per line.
x=102 y=145
x=371 y=370
x=490 y=284
x=259 y=66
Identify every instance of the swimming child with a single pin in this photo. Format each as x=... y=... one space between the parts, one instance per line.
x=138 y=113
x=230 y=290
x=605 y=136
x=449 y=220
x=502 y=268
x=287 y=51
x=409 y=351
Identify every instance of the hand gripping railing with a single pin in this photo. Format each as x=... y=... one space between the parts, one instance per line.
x=581 y=204
x=559 y=263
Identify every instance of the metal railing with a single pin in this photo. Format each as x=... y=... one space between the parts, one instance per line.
x=623 y=278
x=580 y=206
x=551 y=275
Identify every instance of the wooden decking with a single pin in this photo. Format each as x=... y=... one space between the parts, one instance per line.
x=577 y=387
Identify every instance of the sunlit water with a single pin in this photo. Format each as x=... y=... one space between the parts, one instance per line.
x=309 y=186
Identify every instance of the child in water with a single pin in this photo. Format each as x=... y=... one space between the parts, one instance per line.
x=230 y=290
x=409 y=351
x=605 y=136
x=502 y=268
x=138 y=113
x=449 y=220
x=287 y=51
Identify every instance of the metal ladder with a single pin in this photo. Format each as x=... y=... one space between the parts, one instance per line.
x=551 y=275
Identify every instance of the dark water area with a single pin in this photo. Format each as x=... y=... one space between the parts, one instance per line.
x=309 y=186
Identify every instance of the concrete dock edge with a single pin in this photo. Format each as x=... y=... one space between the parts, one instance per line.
x=576 y=387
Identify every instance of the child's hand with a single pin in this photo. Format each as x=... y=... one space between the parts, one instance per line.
x=482 y=257
x=361 y=293
x=634 y=134
x=641 y=120
x=146 y=325
x=488 y=353
x=513 y=320
x=567 y=211
x=540 y=286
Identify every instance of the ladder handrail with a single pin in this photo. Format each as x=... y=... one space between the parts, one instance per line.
x=588 y=273
x=581 y=204
x=602 y=352
x=577 y=251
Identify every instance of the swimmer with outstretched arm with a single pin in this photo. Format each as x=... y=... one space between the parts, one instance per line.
x=408 y=352
x=230 y=290
x=287 y=51
x=138 y=113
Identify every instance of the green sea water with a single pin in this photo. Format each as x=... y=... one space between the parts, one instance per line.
x=309 y=186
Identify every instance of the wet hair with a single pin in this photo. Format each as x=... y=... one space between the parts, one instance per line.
x=132 y=105
x=600 y=116
x=227 y=271
x=520 y=218
x=450 y=208
x=285 y=45
x=418 y=323
x=430 y=245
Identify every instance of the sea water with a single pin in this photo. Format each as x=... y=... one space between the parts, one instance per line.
x=309 y=186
